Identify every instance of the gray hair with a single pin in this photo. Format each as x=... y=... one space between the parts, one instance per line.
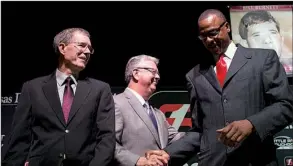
x=66 y=35
x=133 y=63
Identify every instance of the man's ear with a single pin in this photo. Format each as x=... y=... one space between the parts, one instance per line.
x=282 y=39
x=228 y=27
x=61 y=48
x=135 y=74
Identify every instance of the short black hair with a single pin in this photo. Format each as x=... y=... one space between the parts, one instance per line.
x=255 y=17
x=209 y=12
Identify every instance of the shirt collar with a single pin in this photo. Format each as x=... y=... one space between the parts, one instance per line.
x=60 y=77
x=231 y=50
x=138 y=96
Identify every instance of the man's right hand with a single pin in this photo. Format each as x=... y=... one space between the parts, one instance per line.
x=158 y=155
x=142 y=161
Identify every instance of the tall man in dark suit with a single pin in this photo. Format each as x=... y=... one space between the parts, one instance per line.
x=62 y=118
x=238 y=102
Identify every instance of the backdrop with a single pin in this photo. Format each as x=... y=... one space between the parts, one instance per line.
x=119 y=30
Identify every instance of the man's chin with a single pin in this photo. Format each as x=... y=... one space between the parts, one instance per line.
x=153 y=89
x=215 y=51
x=80 y=67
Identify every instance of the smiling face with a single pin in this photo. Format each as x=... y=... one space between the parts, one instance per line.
x=76 y=54
x=213 y=32
x=264 y=35
x=147 y=75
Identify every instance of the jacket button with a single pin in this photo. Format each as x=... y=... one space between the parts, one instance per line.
x=66 y=131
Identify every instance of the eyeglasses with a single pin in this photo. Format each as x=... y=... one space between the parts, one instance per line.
x=83 y=46
x=213 y=33
x=153 y=71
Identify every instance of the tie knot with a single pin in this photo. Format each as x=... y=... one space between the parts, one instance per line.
x=222 y=57
x=146 y=105
x=68 y=81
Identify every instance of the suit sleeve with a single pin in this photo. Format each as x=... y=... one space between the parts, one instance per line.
x=183 y=149
x=123 y=156
x=16 y=150
x=104 y=150
x=279 y=98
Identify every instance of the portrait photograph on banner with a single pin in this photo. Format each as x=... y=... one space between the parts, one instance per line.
x=265 y=26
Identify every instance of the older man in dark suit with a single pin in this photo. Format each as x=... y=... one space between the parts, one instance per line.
x=63 y=118
x=238 y=102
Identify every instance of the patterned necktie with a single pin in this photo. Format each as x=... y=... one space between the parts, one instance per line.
x=221 y=68
x=151 y=114
x=67 y=98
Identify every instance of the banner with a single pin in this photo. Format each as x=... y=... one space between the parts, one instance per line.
x=267 y=26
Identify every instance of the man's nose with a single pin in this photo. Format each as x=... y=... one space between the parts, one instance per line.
x=268 y=39
x=157 y=76
x=87 y=50
x=209 y=39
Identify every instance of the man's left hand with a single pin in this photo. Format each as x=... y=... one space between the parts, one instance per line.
x=235 y=132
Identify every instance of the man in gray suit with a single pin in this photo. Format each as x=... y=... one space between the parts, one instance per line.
x=238 y=102
x=139 y=126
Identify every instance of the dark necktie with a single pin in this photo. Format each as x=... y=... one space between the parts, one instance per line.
x=67 y=98
x=151 y=114
x=221 y=68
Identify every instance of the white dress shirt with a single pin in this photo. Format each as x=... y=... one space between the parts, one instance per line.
x=229 y=54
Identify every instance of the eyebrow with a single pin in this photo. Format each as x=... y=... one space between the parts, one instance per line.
x=215 y=29
x=255 y=33
x=84 y=43
x=273 y=30
x=147 y=68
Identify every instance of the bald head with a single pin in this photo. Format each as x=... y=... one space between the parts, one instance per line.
x=211 y=12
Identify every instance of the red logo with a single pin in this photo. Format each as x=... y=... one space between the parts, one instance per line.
x=175 y=106
x=177 y=118
x=288 y=161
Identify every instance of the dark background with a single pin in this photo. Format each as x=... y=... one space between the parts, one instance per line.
x=120 y=30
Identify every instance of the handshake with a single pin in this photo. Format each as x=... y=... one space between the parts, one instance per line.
x=154 y=158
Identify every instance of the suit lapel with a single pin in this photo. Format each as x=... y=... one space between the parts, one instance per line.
x=239 y=60
x=209 y=73
x=51 y=93
x=138 y=108
x=82 y=91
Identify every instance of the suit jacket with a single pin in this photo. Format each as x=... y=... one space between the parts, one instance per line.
x=256 y=88
x=41 y=136
x=135 y=132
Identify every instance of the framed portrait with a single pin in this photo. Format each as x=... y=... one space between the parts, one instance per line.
x=267 y=26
